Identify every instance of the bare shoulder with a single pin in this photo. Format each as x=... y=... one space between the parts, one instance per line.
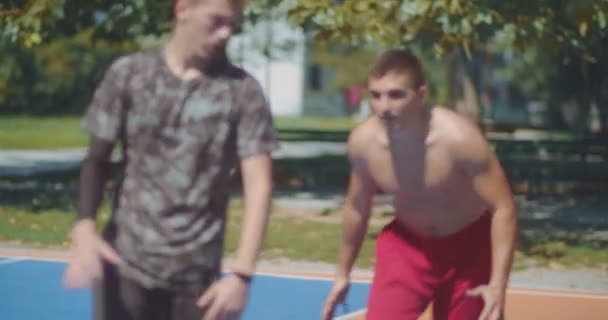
x=460 y=135
x=360 y=140
x=360 y=137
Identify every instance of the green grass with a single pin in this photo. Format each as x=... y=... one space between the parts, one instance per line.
x=564 y=249
x=292 y=238
x=299 y=239
x=312 y=123
x=43 y=228
x=41 y=133
x=20 y=132
x=65 y=132
x=47 y=228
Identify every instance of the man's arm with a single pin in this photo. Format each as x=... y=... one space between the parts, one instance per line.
x=93 y=176
x=88 y=249
x=493 y=187
x=103 y=121
x=227 y=297
x=256 y=138
x=257 y=184
x=355 y=215
x=355 y=218
x=490 y=182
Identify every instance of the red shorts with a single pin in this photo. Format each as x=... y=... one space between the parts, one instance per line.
x=411 y=271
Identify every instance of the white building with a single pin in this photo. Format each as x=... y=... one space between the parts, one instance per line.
x=293 y=85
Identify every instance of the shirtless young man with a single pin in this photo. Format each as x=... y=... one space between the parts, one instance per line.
x=454 y=232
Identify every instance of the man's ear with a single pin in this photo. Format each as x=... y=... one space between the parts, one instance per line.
x=179 y=7
x=422 y=91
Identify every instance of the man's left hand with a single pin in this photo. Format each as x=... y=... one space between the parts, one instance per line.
x=225 y=300
x=494 y=301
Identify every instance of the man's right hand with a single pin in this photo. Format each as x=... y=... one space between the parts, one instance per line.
x=88 y=251
x=335 y=297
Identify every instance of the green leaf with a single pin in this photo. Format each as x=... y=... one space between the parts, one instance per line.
x=583 y=27
x=35 y=38
x=467 y=28
x=483 y=17
x=539 y=25
x=361 y=5
x=601 y=19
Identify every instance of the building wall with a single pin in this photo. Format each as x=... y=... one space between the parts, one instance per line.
x=282 y=74
x=320 y=98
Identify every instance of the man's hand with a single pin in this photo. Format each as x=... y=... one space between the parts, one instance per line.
x=85 y=262
x=225 y=300
x=494 y=301
x=335 y=297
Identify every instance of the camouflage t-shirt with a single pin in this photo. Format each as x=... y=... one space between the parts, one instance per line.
x=180 y=141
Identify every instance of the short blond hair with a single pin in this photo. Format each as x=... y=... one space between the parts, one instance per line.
x=235 y=4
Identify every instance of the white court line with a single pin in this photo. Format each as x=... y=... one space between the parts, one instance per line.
x=522 y=289
x=572 y=293
x=11 y=260
x=33 y=258
x=301 y=277
x=566 y=293
x=557 y=294
x=350 y=315
x=511 y=291
x=286 y=275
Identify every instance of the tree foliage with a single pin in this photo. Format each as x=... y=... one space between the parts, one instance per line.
x=446 y=24
x=31 y=22
x=554 y=24
x=565 y=40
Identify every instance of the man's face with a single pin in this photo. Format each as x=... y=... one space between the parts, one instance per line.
x=207 y=25
x=393 y=96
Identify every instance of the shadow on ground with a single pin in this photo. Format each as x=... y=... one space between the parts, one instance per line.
x=549 y=225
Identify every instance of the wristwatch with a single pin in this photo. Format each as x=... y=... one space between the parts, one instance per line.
x=244 y=276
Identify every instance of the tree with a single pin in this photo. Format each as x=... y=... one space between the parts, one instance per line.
x=458 y=31
x=443 y=23
x=451 y=23
x=54 y=77
x=572 y=34
x=54 y=51
x=31 y=22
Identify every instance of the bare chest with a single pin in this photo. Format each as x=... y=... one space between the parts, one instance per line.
x=431 y=194
x=415 y=173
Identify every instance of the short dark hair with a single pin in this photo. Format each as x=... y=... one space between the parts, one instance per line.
x=398 y=60
x=236 y=3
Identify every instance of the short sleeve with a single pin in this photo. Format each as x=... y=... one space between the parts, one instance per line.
x=256 y=133
x=103 y=118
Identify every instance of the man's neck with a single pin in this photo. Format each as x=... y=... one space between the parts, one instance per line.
x=180 y=61
x=187 y=65
x=414 y=124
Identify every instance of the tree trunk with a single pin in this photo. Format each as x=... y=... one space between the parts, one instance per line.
x=468 y=103
x=463 y=92
x=602 y=102
x=585 y=98
x=451 y=61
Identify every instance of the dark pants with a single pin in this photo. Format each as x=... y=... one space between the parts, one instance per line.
x=119 y=298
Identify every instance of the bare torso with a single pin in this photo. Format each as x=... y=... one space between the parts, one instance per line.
x=433 y=195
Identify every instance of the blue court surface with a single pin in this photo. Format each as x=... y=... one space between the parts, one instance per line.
x=31 y=290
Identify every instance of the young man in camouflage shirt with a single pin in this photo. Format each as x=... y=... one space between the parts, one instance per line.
x=184 y=117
